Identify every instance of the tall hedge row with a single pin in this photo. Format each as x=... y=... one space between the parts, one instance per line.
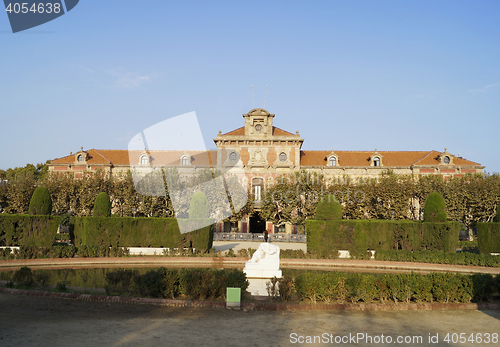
x=325 y=236
x=27 y=230
x=140 y=232
x=488 y=237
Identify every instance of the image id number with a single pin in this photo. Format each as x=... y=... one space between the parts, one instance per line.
x=472 y=338
x=40 y=8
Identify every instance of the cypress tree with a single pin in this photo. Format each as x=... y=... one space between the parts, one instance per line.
x=435 y=209
x=41 y=202
x=328 y=208
x=102 y=205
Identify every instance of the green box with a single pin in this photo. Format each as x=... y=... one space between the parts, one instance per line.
x=233 y=295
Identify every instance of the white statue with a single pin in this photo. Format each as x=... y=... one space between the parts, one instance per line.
x=265 y=262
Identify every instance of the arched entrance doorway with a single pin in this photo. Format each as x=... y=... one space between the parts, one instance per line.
x=257 y=224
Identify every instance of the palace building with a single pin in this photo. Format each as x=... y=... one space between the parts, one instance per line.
x=267 y=152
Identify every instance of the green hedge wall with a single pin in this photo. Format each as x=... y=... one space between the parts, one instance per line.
x=325 y=236
x=443 y=287
x=488 y=237
x=140 y=232
x=27 y=230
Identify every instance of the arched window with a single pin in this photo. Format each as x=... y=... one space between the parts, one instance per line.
x=185 y=160
x=80 y=158
x=446 y=160
x=332 y=161
x=144 y=160
x=376 y=161
x=233 y=157
x=283 y=157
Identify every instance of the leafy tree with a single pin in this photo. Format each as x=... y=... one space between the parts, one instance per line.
x=41 y=202
x=497 y=216
x=198 y=208
x=435 y=208
x=292 y=198
x=102 y=206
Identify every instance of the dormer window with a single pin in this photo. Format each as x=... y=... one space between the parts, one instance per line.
x=144 y=160
x=185 y=160
x=332 y=161
x=445 y=158
x=376 y=161
x=80 y=158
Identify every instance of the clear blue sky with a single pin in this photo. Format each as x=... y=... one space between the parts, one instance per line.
x=349 y=75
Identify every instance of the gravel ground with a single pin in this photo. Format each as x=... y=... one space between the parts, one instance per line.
x=35 y=321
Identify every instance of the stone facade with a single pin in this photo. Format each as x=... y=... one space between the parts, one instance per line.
x=265 y=153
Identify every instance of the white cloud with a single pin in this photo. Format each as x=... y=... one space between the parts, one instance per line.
x=482 y=90
x=132 y=82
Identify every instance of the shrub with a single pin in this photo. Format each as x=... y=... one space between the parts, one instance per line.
x=24 y=277
x=435 y=209
x=64 y=220
x=120 y=281
x=41 y=202
x=488 y=237
x=328 y=208
x=198 y=208
x=61 y=286
x=102 y=205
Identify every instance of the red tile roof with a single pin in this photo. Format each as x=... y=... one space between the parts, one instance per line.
x=389 y=158
x=118 y=157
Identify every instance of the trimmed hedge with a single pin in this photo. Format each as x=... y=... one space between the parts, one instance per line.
x=443 y=287
x=141 y=232
x=439 y=257
x=323 y=237
x=328 y=208
x=170 y=283
x=27 y=230
x=41 y=202
x=488 y=237
x=41 y=231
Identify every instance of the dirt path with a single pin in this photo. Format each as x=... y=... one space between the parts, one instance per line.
x=34 y=321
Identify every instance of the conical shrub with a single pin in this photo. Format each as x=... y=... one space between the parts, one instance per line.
x=435 y=209
x=41 y=202
x=102 y=205
x=328 y=208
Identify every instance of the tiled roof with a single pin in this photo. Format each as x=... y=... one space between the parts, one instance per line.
x=389 y=158
x=236 y=132
x=280 y=132
x=241 y=132
x=118 y=157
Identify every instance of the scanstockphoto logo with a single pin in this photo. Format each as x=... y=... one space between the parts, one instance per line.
x=170 y=159
x=27 y=14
